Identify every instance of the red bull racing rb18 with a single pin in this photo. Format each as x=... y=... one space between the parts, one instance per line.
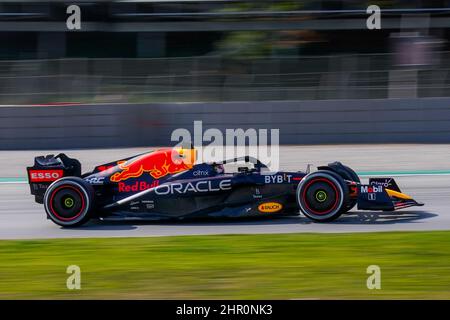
x=169 y=184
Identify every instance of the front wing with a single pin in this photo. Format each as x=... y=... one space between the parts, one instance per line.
x=383 y=194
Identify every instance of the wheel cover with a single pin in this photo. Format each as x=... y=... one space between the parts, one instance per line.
x=67 y=203
x=320 y=196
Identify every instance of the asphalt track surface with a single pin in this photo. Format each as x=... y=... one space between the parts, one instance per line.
x=423 y=171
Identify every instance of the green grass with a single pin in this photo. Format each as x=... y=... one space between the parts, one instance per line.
x=288 y=266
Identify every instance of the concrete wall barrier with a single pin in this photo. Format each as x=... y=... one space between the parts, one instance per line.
x=425 y=120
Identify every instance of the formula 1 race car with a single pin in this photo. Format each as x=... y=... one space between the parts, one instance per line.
x=167 y=184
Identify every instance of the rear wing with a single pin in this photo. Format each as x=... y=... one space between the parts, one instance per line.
x=49 y=168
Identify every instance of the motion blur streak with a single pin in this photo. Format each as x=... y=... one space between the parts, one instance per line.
x=214 y=50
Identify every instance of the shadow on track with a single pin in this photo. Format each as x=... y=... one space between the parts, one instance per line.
x=352 y=218
x=369 y=217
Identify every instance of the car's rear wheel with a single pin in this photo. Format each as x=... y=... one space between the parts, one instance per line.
x=68 y=201
x=322 y=196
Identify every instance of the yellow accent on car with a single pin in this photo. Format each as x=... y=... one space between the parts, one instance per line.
x=270 y=207
x=397 y=194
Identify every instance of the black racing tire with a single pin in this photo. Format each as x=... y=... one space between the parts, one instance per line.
x=69 y=201
x=349 y=174
x=351 y=204
x=354 y=177
x=322 y=196
x=352 y=174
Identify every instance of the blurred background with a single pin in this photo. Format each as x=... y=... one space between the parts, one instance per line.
x=139 y=69
x=222 y=50
x=309 y=68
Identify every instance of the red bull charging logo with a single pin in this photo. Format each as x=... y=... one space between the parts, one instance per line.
x=158 y=164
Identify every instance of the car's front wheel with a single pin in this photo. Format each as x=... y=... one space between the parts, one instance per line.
x=322 y=195
x=68 y=201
